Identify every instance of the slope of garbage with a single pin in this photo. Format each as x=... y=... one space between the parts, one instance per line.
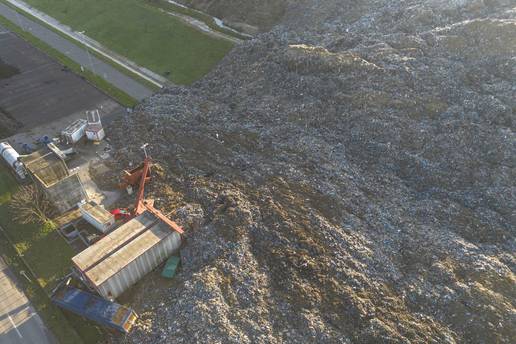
x=348 y=177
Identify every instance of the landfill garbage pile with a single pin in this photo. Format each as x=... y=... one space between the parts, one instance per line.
x=348 y=177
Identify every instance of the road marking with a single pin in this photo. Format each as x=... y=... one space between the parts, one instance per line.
x=14 y=325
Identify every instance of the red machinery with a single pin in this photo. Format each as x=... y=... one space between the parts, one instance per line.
x=142 y=205
x=132 y=177
x=121 y=213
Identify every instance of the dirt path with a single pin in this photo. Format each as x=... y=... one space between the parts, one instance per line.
x=200 y=25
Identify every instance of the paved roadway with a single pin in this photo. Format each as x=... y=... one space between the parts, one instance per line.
x=78 y=54
x=19 y=322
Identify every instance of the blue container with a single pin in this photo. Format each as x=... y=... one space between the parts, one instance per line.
x=95 y=308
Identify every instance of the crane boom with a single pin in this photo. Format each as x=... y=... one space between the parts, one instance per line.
x=141 y=204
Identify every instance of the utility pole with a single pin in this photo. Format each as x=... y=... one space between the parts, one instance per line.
x=89 y=55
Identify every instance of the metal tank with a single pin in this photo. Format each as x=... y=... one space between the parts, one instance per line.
x=10 y=155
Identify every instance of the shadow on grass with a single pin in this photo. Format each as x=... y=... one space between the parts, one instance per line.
x=49 y=257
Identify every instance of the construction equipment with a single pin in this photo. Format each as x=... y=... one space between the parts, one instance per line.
x=121 y=214
x=132 y=177
x=141 y=204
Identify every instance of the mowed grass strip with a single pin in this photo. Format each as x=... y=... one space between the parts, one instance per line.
x=143 y=34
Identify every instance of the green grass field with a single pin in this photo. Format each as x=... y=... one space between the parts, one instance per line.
x=48 y=256
x=41 y=246
x=143 y=34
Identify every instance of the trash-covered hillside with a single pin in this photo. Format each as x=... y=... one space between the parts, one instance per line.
x=348 y=177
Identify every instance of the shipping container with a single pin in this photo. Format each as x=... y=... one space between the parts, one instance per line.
x=75 y=131
x=94 y=130
x=95 y=133
x=97 y=216
x=92 y=307
x=124 y=256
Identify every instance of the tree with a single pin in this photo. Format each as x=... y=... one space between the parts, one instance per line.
x=29 y=205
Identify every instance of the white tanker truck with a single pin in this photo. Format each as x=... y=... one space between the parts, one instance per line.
x=10 y=156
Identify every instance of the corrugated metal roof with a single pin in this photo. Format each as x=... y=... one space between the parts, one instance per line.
x=121 y=258
x=115 y=251
x=112 y=242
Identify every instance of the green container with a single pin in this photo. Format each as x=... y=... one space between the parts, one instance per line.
x=170 y=268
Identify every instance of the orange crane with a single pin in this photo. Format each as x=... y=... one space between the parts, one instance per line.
x=142 y=205
x=132 y=177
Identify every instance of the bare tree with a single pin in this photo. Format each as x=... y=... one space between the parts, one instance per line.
x=29 y=205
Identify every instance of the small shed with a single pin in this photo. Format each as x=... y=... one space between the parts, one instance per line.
x=51 y=174
x=123 y=257
x=97 y=216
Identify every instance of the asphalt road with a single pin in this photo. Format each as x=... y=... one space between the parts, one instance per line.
x=19 y=322
x=78 y=54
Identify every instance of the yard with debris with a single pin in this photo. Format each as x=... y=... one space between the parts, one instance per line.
x=143 y=34
x=48 y=256
x=40 y=245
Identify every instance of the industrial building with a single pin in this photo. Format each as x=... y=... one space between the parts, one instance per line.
x=120 y=259
x=48 y=169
